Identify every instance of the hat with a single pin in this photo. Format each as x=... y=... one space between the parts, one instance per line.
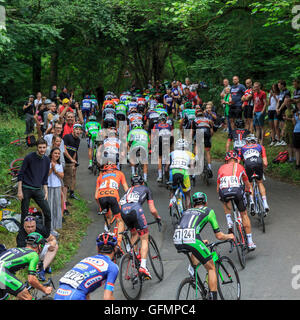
x=77 y=125
x=47 y=101
x=65 y=101
x=31 y=96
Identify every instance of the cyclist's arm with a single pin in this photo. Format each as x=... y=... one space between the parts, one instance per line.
x=110 y=282
x=228 y=142
x=108 y=295
x=215 y=226
x=264 y=156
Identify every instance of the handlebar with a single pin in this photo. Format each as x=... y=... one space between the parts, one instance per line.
x=215 y=244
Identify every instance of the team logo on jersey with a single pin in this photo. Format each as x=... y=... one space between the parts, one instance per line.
x=63 y=292
x=92 y=281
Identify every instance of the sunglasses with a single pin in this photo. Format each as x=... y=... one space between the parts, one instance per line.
x=29 y=218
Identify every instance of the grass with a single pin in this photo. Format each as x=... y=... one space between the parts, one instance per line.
x=75 y=226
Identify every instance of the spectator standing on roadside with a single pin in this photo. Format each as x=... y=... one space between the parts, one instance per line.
x=29 y=111
x=33 y=183
x=272 y=114
x=237 y=91
x=57 y=142
x=38 y=100
x=72 y=142
x=53 y=94
x=296 y=136
x=50 y=249
x=38 y=117
x=288 y=118
x=247 y=99
x=47 y=103
x=56 y=174
x=259 y=110
x=225 y=85
x=226 y=101
x=64 y=95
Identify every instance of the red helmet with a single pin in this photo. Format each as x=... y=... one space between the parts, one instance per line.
x=231 y=155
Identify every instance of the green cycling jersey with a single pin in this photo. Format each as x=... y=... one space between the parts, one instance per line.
x=138 y=137
x=92 y=128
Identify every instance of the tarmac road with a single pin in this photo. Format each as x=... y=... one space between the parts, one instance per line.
x=271 y=270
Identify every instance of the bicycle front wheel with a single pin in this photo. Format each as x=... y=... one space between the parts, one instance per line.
x=239 y=244
x=174 y=216
x=130 y=281
x=187 y=290
x=261 y=213
x=229 y=286
x=155 y=259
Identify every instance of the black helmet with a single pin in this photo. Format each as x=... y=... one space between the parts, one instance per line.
x=136 y=179
x=35 y=239
x=239 y=123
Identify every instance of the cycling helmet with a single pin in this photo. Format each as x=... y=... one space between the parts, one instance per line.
x=87 y=96
x=162 y=116
x=231 y=155
x=106 y=242
x=136 y=179
x=34 y=239
x=109 y=105
x=188 y=105
x=92 y=118
x=181 y=144
x=93 y=96
x=199 y=198
x=239 y=123
x=133 y=99
x=251 y=138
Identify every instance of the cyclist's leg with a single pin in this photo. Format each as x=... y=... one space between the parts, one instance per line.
x=187 y=189
x=116 y=210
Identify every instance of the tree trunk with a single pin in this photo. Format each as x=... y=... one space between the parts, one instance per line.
x=36 y=71
x=54 y=68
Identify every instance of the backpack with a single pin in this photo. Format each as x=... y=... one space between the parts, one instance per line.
x=282 y=157
x=30 y=141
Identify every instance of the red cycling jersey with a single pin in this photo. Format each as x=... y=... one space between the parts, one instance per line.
x=231 y=175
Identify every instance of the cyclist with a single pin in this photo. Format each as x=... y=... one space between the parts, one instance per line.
x=86 y=108
x=151 y=118
x=165 y=133
x=230 y=183
x=181 y=160
x=92 y=129
x=255 y=160
x=188 y=115
x=94 y=102
x=15 y=259
x=169 y=101
x=132 y=104
x=193 y=221
x=121 y=112
x=238 y=136
x=109 y=116
x=107 y=194
x=91 y=273
x=206 y=125
x=134 y=217
x=133 y=116
x=138 y=142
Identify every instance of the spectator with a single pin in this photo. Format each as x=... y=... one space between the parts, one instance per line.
x=226 y=101
x=38 y=117
x=284 y=95
x=226 y=85
x=296 y=136
x=55 y=177
x=247 y=99
x=47 y=103
x=38 y=100
x=72 y=142
x=288 y=118
x=296 y=95
x=235 y=109
x=33 y=182
x=52 y=115
x=64 y=95
x=29 y=111
x=179 y=87
x=56 y=129
x=272 y=114
x=169 y=102
x=57 y=142
x=192 y=96
x=49 y=252
x=259 y=110
x=53 y=94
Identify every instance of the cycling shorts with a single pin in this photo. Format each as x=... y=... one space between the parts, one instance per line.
x=121 y=116
x=107 y=123
x=9 y=284
x=207 y=137
x=235 y=194
x=252 y=168
x=160 y=145
x=86 y=112
x=134 y=218
x=180 y=177
x=90 y=142
x=198 y=249
x=138 y=154
x=66 y=292
x=109 y=203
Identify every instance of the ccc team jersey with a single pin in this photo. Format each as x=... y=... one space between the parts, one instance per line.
x=108 y=184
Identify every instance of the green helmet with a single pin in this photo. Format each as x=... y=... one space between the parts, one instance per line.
x=35 y=239
x=93 y=96
x=188 y=105
x=199 y=198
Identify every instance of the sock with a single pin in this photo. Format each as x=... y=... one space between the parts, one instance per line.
x=209 y=166
x=145 y=176
x=159 y=173
x=249 y=237
x=229 y=220
x=143 y=263
x=251 y=198
x=264 y=198
x=132 y=170
x=90 y=162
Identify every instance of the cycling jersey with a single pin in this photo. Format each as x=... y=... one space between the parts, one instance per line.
x=106 y=102
x=188 y=116
x=231 y=175
x=108 y=183
x=137 y=194
x=169 y=101
x=134 y=117
x=187 y=234
x=160 y=109
x=93 y=128
x=109 y=116
x=94 y=102
x=238 y=136
x=132 y=105
x=181 y=159
x=204 y=124
x=86 y=276
x=86 y=104
x=163 y=128
x=121 y=109
x=11 y=261
x=138 y=138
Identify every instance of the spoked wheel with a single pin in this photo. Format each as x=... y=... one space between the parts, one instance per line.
x=130 y=280
x=174 y=216
x=187 y=290
x=261 y=213
x=240 y=244
x=229 y=286
x=155 y=259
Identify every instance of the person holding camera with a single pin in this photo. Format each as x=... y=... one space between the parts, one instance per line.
x=29 y=111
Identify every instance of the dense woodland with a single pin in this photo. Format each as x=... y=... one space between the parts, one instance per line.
x=85 y=43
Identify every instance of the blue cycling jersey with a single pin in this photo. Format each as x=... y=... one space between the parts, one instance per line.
x=86 y=276
x=86 y=104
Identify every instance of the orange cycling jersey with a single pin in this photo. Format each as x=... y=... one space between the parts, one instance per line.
x=115 y=101
x=108 y=184
x=106 y=102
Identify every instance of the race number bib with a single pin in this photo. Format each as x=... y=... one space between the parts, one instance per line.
x=164 y=132
x=140 y=138
x=113 y=184
x=179 y=163
x=103 y=185
x=251 y=153
x=184 y=236
x=239 y=143
x=72 y=278
x=177 y=237
x=86 y=105
x=229 y=182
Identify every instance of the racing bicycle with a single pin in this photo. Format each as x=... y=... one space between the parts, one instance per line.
x=194 y=288
x=176 y=205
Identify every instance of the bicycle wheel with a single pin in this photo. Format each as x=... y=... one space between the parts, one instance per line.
x=187 y=290
x=239 y=244
x=155 y=259
x=130 y=281
x=174 y=215
x=261 y=213
x=229 y=286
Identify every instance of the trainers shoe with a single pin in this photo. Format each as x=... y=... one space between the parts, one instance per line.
x=277 y=144
x=267 y=209
x=283 y=143
x=145 y=273
x=159 y=179
x=72 y=196
x=272 y=143
x=251 y=246
x=90 y=167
